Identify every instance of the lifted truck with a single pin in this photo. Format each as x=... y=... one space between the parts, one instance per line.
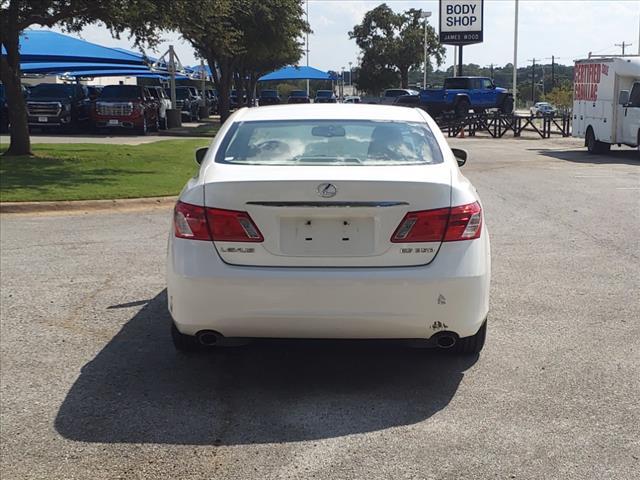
x=460 y=94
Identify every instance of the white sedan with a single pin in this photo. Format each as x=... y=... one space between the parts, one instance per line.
x=329 y=221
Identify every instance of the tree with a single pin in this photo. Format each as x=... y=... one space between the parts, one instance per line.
x=561 y=96
x=141 y=18
x=243 y=39
x=394 y=42
x=374 y=77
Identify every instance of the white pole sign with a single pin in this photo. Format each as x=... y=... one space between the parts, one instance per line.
x=461 y=21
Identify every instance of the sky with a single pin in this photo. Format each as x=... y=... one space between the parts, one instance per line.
x=567 y=29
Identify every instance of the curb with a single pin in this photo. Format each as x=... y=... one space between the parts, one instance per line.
x=86 y=205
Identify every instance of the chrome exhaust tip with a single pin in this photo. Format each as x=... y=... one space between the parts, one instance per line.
x=446 y=340
x=208 y=338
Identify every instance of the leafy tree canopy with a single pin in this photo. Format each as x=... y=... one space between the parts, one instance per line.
x=393 y=42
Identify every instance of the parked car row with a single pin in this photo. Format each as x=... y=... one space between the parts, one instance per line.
x=73 y=106
x=271 y=97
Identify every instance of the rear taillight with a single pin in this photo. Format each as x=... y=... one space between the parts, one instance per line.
x=441 y=225
x=423 y=226
x=190 y=221
x=232 y=226
x=203 y=223
x=465 y=223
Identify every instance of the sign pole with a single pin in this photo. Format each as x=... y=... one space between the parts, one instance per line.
x=461 y=23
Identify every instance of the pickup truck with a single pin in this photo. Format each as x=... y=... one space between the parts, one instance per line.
x=460 y=94
x=59 y=105
x=127 y=106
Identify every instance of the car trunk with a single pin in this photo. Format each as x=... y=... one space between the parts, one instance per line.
x=303 y=225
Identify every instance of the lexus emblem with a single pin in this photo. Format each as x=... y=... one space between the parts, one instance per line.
x=327 y=190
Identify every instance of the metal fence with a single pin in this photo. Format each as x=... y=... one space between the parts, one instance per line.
x=498 y=124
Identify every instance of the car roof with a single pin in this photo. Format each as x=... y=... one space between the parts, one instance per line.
x=330 y=111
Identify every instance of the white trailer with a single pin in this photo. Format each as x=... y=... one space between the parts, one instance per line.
x=606 y=102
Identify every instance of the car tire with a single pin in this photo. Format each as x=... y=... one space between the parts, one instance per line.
x=595 y=146
x=471 y=345
x=462 y=108
x=183 y=343
x=507 y=105
x=143 y=129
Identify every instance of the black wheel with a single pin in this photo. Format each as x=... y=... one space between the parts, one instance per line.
x=507 y=105
x=156 y=124
x=462 y=108
x=595 y=146
x=471 y=345
x=182 y=342
x=144 y=129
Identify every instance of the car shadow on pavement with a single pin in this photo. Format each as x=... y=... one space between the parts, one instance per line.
x=624 y=157
x=139 y=390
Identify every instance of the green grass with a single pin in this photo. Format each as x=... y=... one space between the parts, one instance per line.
x=98 y=171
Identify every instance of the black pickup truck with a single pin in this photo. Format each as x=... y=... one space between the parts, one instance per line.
x=59 y=105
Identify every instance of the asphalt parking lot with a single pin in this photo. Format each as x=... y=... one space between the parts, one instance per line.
x=92 y=388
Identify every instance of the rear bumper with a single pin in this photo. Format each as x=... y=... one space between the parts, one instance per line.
x=451 y=293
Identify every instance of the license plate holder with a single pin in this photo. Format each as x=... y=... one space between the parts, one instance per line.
x=327 y=236
x=43 y=119
x=114 y=121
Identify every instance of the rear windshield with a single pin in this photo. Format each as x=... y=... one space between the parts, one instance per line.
x=52 y=90
x=268 y=93
x=456 y=83
x=324 y=93
x=329 y=142
x=298 y=93
x=120 y=91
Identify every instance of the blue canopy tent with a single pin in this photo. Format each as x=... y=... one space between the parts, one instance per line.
x=295 y=73
x=55 y=67
x=122 y=73
x=46 y=52
x=53 y=47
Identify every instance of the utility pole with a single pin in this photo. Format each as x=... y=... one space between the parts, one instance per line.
x=460 y=60
x=623 y=45
x=425 y=15
x=491 y=70
x=553 y=72
x=172 y=76
x=455 y=57
x=515 y=61
x=533 y=80
x=307 y=48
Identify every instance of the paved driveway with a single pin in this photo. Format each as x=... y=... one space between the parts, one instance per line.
x=91 y=387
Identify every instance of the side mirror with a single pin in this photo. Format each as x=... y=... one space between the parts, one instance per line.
x=200 y=154
x=623 y=97
x=461 y=155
